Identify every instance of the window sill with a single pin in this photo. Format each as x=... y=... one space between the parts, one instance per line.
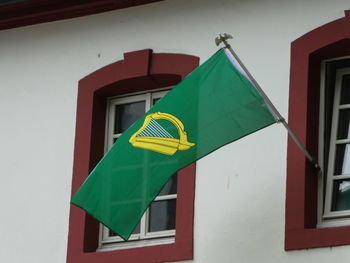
x=340 y=222
x=136 y=244
x=304 y=238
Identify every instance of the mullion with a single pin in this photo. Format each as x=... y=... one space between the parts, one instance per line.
x=341 y=176
x=165 y=197
x=145 y=217
x=343 y=106
x=342 y=141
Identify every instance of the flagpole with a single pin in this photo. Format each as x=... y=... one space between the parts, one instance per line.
x=222 y=38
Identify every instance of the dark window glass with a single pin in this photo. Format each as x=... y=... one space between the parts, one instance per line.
x=341 y=195
x=344 y=124
x=345 y=90
x=170 y=187
x=342 y=159
x=155 y=101
x=162 y=215
x=127 y=114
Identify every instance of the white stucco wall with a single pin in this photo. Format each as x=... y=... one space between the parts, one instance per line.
x=239 y=210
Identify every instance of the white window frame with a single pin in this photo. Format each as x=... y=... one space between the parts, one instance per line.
x=144 y=238
x=326 y=217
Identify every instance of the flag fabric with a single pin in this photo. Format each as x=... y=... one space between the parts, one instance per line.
x=214 y=105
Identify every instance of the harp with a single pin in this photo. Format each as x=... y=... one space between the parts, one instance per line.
x=152 y=136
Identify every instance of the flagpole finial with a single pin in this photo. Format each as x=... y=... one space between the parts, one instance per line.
x=222 y=38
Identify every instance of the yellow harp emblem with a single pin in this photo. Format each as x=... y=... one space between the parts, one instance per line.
x=152 y=136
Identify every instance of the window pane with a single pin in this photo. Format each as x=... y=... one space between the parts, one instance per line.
x=344 y=124
x=341 y=195
x=162 y=215
x=155 y=101
x=127 y=114
x=136 y=231
x=170 y=187
x=345 y=90
x=342 y=159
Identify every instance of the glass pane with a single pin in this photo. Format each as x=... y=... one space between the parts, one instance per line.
x=136 y=231
x=127 y=114
x=345 y=90
x=344 y=124
x=170 y=187
x=341 y=195
x=342 y=159
x=162 y=215
x=111 y=233
x=155 y=101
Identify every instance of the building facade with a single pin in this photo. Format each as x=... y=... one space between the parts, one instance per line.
x=74 y=77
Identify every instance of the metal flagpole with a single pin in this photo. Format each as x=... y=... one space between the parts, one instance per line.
x=222 y=38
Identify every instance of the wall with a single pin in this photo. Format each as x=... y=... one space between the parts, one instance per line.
x=240 y=191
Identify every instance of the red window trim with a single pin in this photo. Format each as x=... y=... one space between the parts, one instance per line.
x=328 y=41
x=40 y=11
x=139 y=71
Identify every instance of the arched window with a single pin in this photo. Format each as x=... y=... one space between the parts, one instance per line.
x=318 y=111
x=143 y=73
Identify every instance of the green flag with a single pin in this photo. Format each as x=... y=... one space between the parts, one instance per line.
x=213 y=106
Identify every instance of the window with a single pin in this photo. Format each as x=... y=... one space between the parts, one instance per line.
x=140 y=72
x=334 y=208
x=157 y=226
x=314 y=216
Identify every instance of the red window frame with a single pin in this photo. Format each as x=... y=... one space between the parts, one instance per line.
x=139 y=71
x=328 y=41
